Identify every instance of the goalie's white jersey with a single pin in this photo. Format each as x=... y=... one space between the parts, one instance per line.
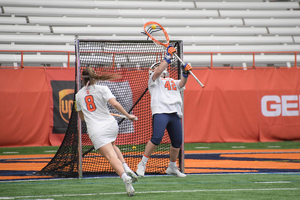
x=165 y=95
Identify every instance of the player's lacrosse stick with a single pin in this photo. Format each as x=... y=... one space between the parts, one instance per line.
x=122 y=116
x=159 y=35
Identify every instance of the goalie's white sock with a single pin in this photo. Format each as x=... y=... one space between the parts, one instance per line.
x=145 y=159
x=172 y=164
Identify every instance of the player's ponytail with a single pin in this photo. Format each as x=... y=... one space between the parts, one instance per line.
x=89 y=74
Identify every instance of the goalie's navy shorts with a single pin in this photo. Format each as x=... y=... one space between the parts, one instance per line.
x=171 y=122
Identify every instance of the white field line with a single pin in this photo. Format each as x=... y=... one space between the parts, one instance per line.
x=10 y=152
x=269 y=182
x=238 y=147
x=148 y=192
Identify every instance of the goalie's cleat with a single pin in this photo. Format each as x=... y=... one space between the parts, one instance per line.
x=128 y=185
x=174 y=171
x=130 y=173
x=141 y=168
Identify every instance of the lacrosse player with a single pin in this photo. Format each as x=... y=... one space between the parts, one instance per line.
x=166 y=107
x=102 y=127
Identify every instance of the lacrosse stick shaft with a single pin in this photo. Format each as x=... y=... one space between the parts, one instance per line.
x=122 y=116
x=189 y=71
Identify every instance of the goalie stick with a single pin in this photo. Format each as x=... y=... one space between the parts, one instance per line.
x=154 y=31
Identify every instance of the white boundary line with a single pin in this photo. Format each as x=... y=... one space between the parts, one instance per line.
x=149 y=192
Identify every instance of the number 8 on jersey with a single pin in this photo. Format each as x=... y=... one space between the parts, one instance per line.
x=90 y=105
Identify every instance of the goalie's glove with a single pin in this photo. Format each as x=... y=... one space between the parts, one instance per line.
x=170 y=51
x=185 y=70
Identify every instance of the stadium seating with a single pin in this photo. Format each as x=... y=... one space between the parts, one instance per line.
x=216 y=26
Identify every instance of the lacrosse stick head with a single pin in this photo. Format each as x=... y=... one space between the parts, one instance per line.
x=156 y=33
x=153 y=67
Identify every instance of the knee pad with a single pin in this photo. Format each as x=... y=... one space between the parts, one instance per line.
x=177 y=143
x=156 y=141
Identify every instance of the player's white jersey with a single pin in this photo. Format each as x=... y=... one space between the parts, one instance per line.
x=165 y=95
x=92 y=102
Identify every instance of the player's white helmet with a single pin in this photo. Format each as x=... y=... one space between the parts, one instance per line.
x=153 y=67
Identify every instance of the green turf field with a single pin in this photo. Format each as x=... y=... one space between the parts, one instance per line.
x=254 y=145
x=238 y=186
x=195 y=186
x=187 y=146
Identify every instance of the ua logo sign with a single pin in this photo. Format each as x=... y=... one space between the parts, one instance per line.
x=285 y=105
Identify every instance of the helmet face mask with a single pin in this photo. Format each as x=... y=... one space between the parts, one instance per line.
x=153 y=67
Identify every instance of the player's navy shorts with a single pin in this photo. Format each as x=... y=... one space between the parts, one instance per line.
x=171 y=122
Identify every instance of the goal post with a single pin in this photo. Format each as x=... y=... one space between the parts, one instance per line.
x=76 y=156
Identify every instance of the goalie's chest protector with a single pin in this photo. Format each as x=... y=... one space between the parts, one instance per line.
x=165 y=95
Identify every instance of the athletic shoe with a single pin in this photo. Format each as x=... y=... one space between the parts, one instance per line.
x=128 y=185
x=141 y=168
x=174 y=171
x=130 y=173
